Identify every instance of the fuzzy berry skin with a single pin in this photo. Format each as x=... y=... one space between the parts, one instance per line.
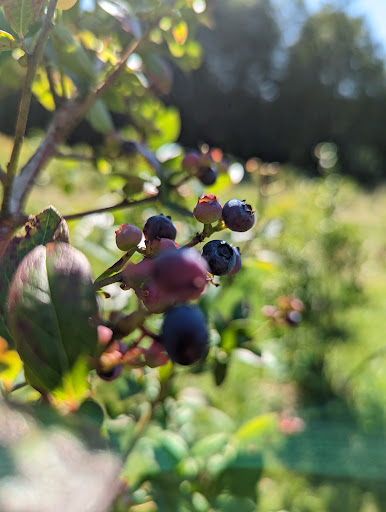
x=155 y=300
x=191 y=160
x=180 y=274
x=184 y=334
x=238 y=215
x=159 y=245
x=220 y=256
x=207 y=209
x=112 y=374
x=237 y=266
x=127 y=237
x=159 y=226
x=207 y=175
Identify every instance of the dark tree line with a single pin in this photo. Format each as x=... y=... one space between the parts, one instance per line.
x=255 y=96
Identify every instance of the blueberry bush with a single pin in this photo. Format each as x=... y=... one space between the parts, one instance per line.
x=120 y=317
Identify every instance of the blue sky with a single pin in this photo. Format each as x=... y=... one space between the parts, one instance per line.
x=373 y=10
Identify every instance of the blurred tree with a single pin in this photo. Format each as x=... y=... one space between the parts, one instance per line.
x=254 y=95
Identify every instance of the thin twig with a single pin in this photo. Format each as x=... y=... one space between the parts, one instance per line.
x=25 y=101
x=206 y=232
x=123 y=204
x=116 y=278
x=51 y=82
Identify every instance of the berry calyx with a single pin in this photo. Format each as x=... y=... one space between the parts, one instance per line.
x=159 y=226
x=220 y=256
x=184 y=334
x=180 y=274
x=238 y=215
x=128 y=237
x=207 y=209
x=207 y=175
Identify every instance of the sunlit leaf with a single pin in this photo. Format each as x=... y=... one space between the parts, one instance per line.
x=7 y=42
x=21 y=14
x=10 y=364
x=257 y=427
x=180 y=32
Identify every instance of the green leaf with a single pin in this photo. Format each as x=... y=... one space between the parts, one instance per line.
x=7 y=42
x=100 y=118
x=72 y=57
x=257 y=428
x=51 y=302
x=46 y=226
x=21 y=14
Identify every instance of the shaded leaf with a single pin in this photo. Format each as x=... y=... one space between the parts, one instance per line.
x=51 y=301
x=46 y=226
x=7 y=42
x=100 y=118
x=60 y=473
x=21 y=14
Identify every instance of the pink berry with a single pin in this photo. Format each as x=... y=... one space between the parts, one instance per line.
x=191 y=159
x=181 y=274
x=207 y=209
x=127 y=237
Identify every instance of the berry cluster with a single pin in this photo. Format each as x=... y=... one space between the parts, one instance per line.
x=287 y=312
x=165 y=281
x=203 y=166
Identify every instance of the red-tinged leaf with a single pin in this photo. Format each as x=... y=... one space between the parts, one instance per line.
x=21 y=14
x=180 y=32
x=7 y=42
x=51 y=303
x=46 y=226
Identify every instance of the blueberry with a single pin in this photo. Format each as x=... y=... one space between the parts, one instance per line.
x=159 y=226
x=129 y=148
x=220 y=256
x=237 y=266
x=237 y=215
x=207 y=175
x=181 y=274
x=184 y=334
x=112 y=374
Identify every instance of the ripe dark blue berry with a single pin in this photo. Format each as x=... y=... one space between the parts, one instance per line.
x=112 y=374
x=159 y=226
x=238 y=215
x=237 y=266
x=220 y=256
x=207 y=175
x=184 y=334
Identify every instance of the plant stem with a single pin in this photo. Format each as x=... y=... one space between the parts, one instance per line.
x=124 y=204
x=116 y=278
x=25 y=101
x=208 y=231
